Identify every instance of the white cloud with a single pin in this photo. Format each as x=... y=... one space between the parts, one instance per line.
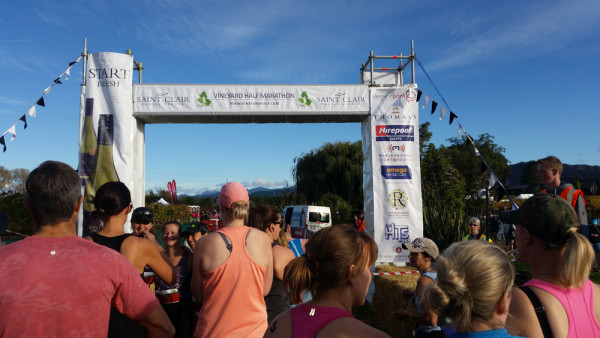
x=533 y=31
x=52 y=12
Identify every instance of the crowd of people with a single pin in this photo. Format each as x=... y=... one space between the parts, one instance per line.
x=250 y=278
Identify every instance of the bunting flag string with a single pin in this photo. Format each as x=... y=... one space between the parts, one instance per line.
x=453 y=116
x=443 y=111
x=40 y=102
x=31 y=111
x=24 y=119
x=13 y=131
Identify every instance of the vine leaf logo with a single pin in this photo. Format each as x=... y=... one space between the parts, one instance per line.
x=203 y=99
x=304 y=100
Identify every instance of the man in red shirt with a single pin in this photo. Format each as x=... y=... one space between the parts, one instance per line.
x=57 y=284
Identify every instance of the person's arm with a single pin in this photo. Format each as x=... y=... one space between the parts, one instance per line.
x=269 y=273
x=582 y=215
x=135 y=300
x=197 y=276
x=160 y=263
x=157 y=324
x=428 y=317
x=522 y=320
x=281 y=257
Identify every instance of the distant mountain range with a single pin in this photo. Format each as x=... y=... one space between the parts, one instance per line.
x=583 y=173
x=580 y=172
x=254 y=192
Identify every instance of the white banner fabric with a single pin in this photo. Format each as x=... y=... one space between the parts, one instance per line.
x=244 y=99
x=396 y=171
x=108 y=91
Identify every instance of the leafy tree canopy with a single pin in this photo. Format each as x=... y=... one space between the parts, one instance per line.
x=334 y=168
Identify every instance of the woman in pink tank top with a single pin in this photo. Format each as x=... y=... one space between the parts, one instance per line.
x=561 y=259
x=335 y=268
x=232 y=272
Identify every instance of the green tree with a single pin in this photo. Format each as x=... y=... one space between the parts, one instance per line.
x=530 y=174
x=335 y=168
x=13 y=180
x=341 y=211
x=169 y=212
x=153 y=197
x=443 y=193
x=13 y=203
x=424 y=138
x=463 y=157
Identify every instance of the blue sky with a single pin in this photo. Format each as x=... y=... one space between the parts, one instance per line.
x=526 y=72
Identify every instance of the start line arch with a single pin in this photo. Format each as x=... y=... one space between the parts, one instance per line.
x=387 y=110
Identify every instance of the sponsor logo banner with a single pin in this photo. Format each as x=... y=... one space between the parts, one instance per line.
x=394 y=133
x=398 y=216
x=396 y=172
x=239 y=99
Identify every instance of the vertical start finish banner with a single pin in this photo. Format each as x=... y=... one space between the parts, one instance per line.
x=106 y=129
x=396 y=171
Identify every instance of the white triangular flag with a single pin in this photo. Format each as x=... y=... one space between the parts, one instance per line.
x=47 y=90
x=425 y=102
x=493 y=180
x=459 y=129
x=68 y=72
x=476 y=151
x=31 y=111
x=13 y=131
x=443 y=112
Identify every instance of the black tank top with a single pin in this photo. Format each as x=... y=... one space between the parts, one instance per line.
x=110 y=242
x=119 y=325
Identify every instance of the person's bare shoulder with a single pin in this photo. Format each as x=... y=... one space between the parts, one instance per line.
x=350 y=327
x=283 y=253
x=207 y=245
x=281 y=326
x=210 y=252
x=258 y=236
x=522 y=320
x=597 y=301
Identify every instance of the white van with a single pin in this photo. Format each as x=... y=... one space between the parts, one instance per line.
x=305 y=220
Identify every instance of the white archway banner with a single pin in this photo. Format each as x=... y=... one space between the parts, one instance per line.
x=242 y=99
x=114 y=113
x=393 y=137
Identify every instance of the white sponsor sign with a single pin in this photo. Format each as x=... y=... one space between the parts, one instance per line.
x=396 y=171
x=242 y=99
x=108 y=91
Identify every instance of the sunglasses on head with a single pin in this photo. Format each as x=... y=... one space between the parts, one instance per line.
x=417 y=244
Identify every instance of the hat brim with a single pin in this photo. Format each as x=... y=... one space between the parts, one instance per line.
x=509 y=216
x=410 y=247
x=188 y=232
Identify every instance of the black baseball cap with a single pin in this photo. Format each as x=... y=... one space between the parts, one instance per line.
x=195 y=227
x=548 y=217
x=142 y=215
